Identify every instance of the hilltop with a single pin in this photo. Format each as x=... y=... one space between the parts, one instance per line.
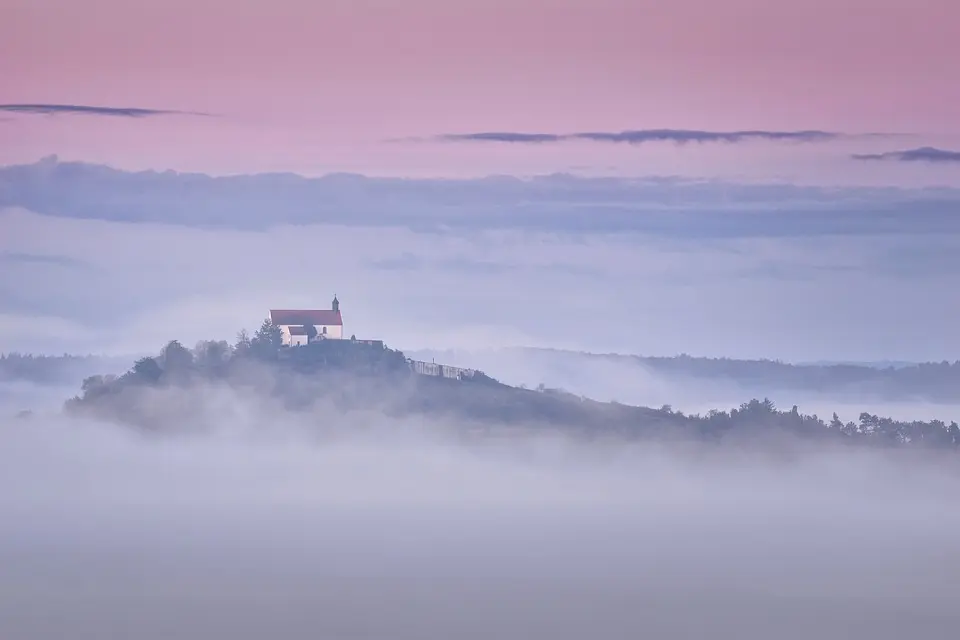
x=934 y=382
x=169 y=391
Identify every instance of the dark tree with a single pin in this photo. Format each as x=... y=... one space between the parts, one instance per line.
x=177 y=359
x=311 y=332
x=91 y=383
x=244 y=344
x=212 y=355
x=147 y=370
x=267 y=340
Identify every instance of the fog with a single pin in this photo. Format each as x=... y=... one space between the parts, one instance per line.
x=330 y=525
x=96 y=286
x=630 y=382
x=249 y=521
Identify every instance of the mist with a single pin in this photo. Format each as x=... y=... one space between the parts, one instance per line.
x=241 y=518
x=254 y=520
x=104 y=286
x=625 y=380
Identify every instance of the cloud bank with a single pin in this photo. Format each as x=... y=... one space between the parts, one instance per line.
x=77 y=109
x=557 y=203
x=642 y=136
x=122 y=287
x=921 y=154
x=308 y=522
x=100 y=259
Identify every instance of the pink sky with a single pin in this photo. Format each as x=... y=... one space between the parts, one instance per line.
x=317 y=84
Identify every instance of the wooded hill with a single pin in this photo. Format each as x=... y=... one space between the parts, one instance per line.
x=354 y=376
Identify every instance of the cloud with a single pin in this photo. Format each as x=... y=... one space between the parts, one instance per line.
x=642 y=136
x=921 y=154
x=495 y=136
x=787 y=296
x=76 y=109
x=12 y=258
x=712 y=267
x=558 y=203
x=276 y=518
x=410 y=262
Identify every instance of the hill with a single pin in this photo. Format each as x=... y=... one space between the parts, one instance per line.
x=936 y=382
x=330 y=378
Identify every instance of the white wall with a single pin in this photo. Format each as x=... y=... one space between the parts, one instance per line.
x=333 y=332
x=295 y=341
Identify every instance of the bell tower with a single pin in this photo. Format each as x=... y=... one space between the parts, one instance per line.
x=336 y=304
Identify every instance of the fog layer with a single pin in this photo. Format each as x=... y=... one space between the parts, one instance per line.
x=629 y=380
x=313 y=526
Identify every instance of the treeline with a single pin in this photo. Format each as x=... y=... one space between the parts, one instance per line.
x=930 y=381
x=219 y=359
x=45 y=369
x=934 y=380
x=353 y=375
x=869 y=429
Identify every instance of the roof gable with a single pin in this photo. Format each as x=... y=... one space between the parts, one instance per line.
x=302 y=317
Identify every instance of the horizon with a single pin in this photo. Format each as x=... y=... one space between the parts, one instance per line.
x=716 y=268
x=575 y=172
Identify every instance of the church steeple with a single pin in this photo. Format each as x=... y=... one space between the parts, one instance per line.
x=336 y=303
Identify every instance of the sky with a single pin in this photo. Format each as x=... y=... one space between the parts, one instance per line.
x=717 y=95
x=735 y=178
x=100 y=286
x=338 y=85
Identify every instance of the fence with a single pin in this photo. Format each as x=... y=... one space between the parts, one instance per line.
x=440 y=370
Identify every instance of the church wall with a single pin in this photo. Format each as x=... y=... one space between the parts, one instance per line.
x=294 y=341
x=334 y=332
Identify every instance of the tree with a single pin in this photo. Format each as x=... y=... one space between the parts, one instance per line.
x=267 y=340
x=869 y=423
x=242 y=348
x=147 y=370
x=91 y=382
x=836 y=423
x=311 y=332
x=212 y=355
x=177 y=359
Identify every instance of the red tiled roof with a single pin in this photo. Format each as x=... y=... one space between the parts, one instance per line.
x=306 y=316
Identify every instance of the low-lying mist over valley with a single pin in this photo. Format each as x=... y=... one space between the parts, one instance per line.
x=697 y=384
x=502 y=467
x=693 y=385
x=251 y=487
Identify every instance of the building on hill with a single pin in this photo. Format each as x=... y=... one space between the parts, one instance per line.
x=300 y=326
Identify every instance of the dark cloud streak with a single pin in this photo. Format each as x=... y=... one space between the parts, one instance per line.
x=641 y=136
x=558 y=203
x=921 y=154
x=77 y=109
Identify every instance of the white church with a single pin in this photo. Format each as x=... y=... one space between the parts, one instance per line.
x=301 y=326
